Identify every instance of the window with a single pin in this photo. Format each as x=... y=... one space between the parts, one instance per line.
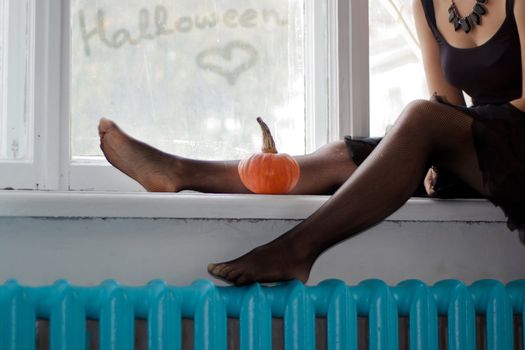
x=16 y=107
x=15 y=104
x=394 y=56
x=2 y=65
x=190 y=78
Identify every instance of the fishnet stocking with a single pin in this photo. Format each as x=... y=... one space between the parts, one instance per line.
x=426 y=132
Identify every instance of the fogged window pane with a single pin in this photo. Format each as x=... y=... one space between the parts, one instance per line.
x=396 y=70
x=15 y=83
x=189 y=77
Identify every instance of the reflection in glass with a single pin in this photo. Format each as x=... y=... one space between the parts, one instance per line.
x=189 y=77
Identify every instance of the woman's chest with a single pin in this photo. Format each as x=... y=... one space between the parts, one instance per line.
x=490 y=23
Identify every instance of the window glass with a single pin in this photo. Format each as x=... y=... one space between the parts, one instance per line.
x=15 y=82
x=189 y=77
x=396 y=70
x=2 y=82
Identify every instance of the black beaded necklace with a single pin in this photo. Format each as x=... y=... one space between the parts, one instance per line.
x=467 y=23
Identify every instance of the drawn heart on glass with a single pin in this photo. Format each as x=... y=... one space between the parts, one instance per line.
x=219 y=60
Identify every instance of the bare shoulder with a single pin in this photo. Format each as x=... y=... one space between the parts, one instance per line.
x=420 y=20
x=519 y=15
x=519 y=9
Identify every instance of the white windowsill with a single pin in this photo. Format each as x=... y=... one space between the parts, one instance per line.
x=218 y=206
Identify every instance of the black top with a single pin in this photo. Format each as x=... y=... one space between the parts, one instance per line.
x=489 y=73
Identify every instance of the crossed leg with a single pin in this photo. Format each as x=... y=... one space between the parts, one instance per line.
x=426 y=131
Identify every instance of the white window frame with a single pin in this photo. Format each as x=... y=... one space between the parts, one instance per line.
x=337 y=96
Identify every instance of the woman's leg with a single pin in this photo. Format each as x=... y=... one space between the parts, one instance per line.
x=387 y=178
x=322 y=172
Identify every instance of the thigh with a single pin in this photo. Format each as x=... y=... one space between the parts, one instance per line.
x=447 y=134
x=455 y=147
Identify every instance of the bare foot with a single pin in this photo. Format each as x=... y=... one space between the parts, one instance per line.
x=156 y=171
x=273 y=262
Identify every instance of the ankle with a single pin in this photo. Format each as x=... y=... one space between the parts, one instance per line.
x=163 y=177
x=297 y=250
x=180 y=172
x=186 y=174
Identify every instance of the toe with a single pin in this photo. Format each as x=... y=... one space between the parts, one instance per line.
x=216 y=269
x=233 y=274
x=211 y=268
x=227 y=269
x=240 y=281
x=244 y=279
x=105 y=125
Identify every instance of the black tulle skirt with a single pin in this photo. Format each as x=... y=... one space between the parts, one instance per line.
x=499 y=138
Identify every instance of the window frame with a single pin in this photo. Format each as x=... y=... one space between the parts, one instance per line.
x=336 y=98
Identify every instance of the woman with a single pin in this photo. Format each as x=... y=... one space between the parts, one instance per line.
x=476 y=47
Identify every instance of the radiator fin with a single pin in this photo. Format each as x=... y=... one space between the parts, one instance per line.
x=17 y=318
x=299 y=319
x=492 y=300
x=117 y=325
x=164 y=318
x=68 y=320
x=162 y=308
x=422 y=312
x=255 y=320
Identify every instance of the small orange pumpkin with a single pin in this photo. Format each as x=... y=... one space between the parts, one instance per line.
x=269 y=172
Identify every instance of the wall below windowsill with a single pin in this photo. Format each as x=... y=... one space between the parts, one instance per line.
x=89 y=237
x=191 y=205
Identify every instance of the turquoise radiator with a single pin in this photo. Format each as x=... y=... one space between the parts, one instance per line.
x=163 y=306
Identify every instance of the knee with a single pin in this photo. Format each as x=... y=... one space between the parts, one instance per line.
x=418 y=110
x=337 y=148
x=420 y=115
x=336 y=154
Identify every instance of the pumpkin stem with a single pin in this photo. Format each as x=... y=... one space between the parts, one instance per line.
x=268 y=142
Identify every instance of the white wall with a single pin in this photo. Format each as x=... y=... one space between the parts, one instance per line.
x=135 y=251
